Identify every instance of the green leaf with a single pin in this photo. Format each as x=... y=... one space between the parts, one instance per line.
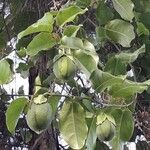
x=73 y=125
x=13 y=113
x=141 y=29
x=116 y=142
x=100 y=34
x=124 y=8
x=87 y=105
x=91 y=137
x=43 y=41
x=117 y=86
x=72 y=42
x=124 y=127
x=53 y=101
x=103 y=13
x=89 y=46
x=5 y=72
x=102 y=116
x=71 y=30
x=40 y=99
x=131 y=57
x=117 y=64
x=84 y=52
x=127 y=125
x=127 y=89
x=83 y=57
x=45 y=24
x=68 y=14
x=77 y=43
x=120 y=32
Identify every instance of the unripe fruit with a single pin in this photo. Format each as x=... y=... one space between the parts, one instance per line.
x=105 y=131
x=64 y=67
x=39 y=117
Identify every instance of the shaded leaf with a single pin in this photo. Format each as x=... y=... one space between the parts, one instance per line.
x=73 y=125
x=21 y=53
x=1 y=22
x=13 y=113
x=146 y=5
x=68 y=14
x=45 y=24
x=83 y=3
x=120 y=32
x=26 y=135
x=103 y=13
x=2 y=41
x=124 y=8
x=144 y=18
x=23 y=19
x=101 y=146
x=21 y=90
x=23 y=42
x=16 y=5
x=138 y=6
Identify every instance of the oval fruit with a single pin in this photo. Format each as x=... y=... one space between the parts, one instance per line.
x=39 y=117
x=105 y=131
x=64 y=68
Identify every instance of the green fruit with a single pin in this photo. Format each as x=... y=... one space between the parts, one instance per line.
x=64 y=67
x=105 y=131
x=39 y=117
